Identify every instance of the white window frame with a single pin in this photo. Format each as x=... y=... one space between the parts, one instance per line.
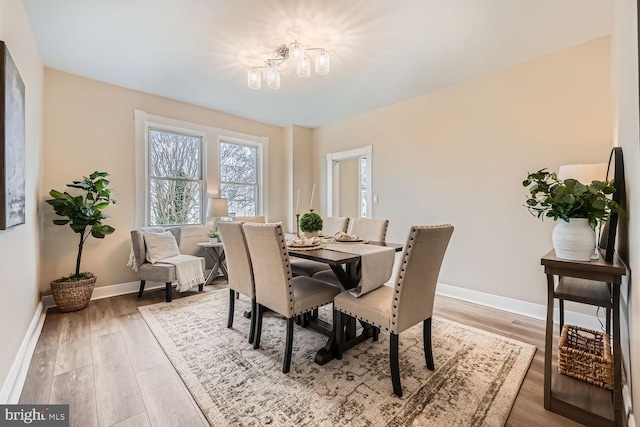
x=210 y=156
x=259 y=145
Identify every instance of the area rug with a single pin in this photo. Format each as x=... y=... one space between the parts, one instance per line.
x=477 y=376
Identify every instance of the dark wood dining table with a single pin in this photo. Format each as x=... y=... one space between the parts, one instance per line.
x=346 y=267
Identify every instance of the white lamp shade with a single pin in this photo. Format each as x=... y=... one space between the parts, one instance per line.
x=218 y=208
x=584 y=173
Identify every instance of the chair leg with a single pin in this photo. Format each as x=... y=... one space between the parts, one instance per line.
x=338 y=321
x=395 y=364
x=376 y=333
x=289 y=346
x=426 y=338
x=200 y=287
x=252 y=328
x=561 y=308
x=258 y=315
x=232 y=305
x=168 y=291
x=142 y=282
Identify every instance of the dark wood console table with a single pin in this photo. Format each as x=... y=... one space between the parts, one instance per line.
x=597 y=283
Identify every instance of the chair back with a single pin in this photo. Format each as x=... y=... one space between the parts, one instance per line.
x=369 y=229
x=258 y=219
x=137 y=240
x=415 y=284
x=239 y=267
x=332 y=224
x=271 y=267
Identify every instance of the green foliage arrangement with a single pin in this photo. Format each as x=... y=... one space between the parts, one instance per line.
x=552 y=198
x=310 y=222
x=213 y=234
x=84 y=211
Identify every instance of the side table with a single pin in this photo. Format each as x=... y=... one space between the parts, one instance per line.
x=596 y=283
x=216 y=253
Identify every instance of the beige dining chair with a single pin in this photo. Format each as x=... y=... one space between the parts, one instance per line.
x=408 y=302
x=158 y=271
x=258 y=219
x=371 y=229
x=330 y=226
x=374 y=230
x=276 y=289
x=239 y=269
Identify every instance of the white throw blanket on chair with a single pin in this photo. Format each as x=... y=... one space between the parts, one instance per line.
x=188 y=271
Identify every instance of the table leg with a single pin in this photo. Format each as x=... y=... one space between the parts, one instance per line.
x=548 y=343
x=618 y=411
x=349 y=278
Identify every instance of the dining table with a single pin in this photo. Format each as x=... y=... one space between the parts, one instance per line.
x=347 y=267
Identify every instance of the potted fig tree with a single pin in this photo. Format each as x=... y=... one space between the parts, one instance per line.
x=83 y=213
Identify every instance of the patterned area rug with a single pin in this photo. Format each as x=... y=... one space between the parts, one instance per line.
x=477 y=376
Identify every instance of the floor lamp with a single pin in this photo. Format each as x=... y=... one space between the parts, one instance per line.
x=217 y=208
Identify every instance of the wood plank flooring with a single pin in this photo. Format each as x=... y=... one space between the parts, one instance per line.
x=107 y=365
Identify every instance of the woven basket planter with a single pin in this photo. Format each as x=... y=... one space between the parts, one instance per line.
x=72 y=296
x=586 y=355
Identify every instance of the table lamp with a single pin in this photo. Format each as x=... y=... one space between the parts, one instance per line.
x=217 y=208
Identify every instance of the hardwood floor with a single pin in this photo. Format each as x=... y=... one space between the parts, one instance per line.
x=107 y=365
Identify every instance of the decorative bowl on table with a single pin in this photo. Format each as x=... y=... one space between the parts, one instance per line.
x=343 y=237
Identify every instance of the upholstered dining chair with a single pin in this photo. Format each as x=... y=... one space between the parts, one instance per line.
x=369 y=228
x=276 y=289
x=330 y=226
x=155 y=270
x=374 y=230
x=258 y=219
x=408 y=302
x=240 y=271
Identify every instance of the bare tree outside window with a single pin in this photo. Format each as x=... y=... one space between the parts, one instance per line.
x=175 y=178
x=239 y=178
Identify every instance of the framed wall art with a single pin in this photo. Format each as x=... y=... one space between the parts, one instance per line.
x=12 y=142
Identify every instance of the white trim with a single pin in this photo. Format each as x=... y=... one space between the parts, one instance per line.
x=332 y=160
x=12 y=387
x=529 y=309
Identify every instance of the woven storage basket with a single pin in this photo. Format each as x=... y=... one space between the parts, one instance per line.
x=586 y=355
x=72 y=296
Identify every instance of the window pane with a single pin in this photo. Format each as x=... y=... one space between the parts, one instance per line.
x=174 y=202
x=363 y=187
x=243 y=199
x=174 y=155
x=238 y=163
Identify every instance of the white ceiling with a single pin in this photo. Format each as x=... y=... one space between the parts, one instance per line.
x=382 y=51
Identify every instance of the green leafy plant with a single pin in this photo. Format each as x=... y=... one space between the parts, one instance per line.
x=213 y=234
x=310 y=222
x=566 y=199
x=83 y=211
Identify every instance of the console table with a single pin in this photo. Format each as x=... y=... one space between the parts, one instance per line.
x=216 y=253
x=596 y=283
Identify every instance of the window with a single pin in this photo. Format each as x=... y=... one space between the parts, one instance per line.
x=180 y=164
x=239 y=178
x=175 y=178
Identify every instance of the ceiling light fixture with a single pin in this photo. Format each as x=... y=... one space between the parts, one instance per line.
x=297 y=57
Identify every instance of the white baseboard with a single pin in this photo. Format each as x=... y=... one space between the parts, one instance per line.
x=537 y=311
x=12 y=387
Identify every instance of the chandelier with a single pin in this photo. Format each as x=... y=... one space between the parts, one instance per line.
x=296 y=56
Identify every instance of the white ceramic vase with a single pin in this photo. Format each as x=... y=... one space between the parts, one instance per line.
x=574 y=240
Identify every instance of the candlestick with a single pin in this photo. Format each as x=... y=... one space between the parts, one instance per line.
x=298 y=203
x=313 y=190
x=298 y=225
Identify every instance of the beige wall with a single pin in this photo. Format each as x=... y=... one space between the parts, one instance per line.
x=300 y=172
x=459 y=156
x=20 y=245
x=627 y=136
x=89 y=126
